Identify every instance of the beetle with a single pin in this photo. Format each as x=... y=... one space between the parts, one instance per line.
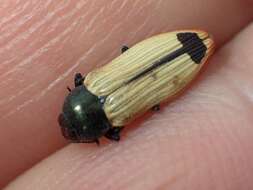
x=143 y=76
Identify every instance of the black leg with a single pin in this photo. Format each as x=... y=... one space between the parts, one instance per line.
x=114 y=133
x=97 y=142
x=124 y=48
x=156 y=107
x=69 y=89
x=78 y=79
x=102 y=99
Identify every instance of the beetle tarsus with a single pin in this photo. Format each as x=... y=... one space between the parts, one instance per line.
x=97 y=142
x=114 y=133
x=124 y=48
x=78 y=79
x=102 y=99
x=156 y=107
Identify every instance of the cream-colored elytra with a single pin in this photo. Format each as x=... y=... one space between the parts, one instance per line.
x=125 y=101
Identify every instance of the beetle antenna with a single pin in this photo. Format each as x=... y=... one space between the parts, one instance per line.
x=69 y=89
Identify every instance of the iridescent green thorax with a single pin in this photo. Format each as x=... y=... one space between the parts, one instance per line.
x=83 y=118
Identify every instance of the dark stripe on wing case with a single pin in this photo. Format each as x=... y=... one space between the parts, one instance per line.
x=196 y=48
x=192 y=45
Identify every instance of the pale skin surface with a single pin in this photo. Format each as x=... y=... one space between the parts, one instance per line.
x=203 y=140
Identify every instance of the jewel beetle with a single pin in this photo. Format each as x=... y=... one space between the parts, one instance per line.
x=143 y=76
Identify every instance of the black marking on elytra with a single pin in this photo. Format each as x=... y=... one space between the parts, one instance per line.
x=192 y=45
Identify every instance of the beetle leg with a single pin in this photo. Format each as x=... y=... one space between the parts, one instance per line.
x=114 y=133
x=124 y=48
x=156 y=107
x=102 y=99
x=78 y=79
x=68 y=88
x=97 y=142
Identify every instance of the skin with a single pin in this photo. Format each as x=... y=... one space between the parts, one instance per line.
x=203 y=140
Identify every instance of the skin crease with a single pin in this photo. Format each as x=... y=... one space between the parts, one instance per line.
x=203 y=140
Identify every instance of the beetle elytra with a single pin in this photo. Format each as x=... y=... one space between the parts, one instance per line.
x=142 y=77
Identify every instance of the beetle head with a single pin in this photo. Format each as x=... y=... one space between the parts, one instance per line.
x=83 y=118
